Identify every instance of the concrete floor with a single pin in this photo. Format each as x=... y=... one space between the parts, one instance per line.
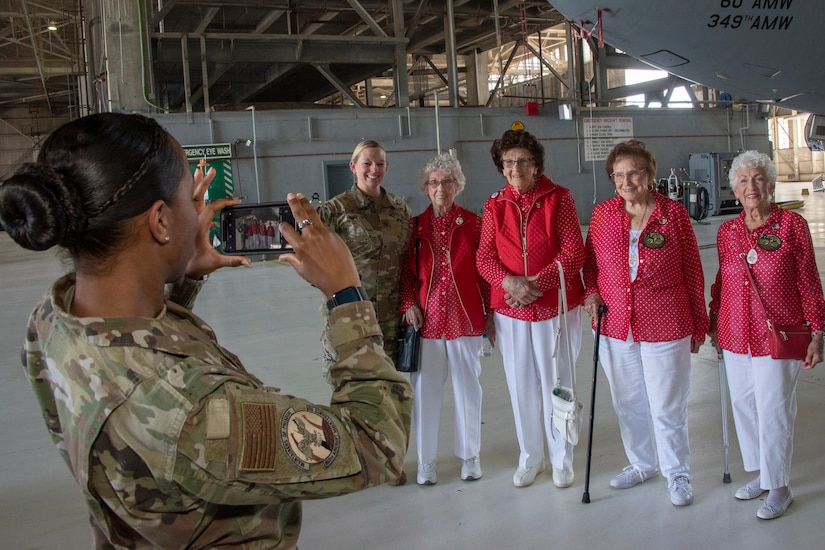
x=42 y=508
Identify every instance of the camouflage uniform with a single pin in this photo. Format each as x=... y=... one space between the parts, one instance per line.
x=376 y=230
x=175 y=445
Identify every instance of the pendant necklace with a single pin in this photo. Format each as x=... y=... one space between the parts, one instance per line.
x=633 y=256
x=752 y=257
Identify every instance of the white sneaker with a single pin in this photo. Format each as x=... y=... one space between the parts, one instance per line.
x=427 y=475
x=563 y=478
x=526 y=476
x=630 y=477
x=681 y=493
x=471 y=469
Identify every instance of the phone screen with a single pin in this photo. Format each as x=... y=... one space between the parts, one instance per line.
x=253 y=228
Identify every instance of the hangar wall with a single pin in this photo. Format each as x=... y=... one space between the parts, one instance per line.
x=293 y=146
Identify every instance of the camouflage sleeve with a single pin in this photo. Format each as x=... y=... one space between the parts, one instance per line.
x=184 y=291
x=326 y=211
x=245 y=445
x=37 y=373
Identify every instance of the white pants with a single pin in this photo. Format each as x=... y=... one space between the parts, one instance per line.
x=459 y=357
x=650 y=384
x=531 y=365
x=763 y=398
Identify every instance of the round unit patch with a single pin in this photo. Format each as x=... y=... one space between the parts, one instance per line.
x=309 y=437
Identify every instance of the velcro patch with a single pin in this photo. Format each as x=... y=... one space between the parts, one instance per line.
x=217 y=418
x=258 y=436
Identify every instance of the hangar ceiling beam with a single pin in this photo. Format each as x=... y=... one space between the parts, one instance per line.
x=25 y=9
x=323 y=68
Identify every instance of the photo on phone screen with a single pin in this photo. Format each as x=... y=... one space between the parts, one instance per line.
x=253 y=228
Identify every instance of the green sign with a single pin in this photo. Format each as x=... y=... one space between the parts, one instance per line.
x=208 y=151
x=217 y=156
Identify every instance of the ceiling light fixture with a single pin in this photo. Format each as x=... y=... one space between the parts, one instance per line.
x=52 y=26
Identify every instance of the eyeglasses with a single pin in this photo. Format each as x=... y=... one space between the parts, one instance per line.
x=446 y=183
x=509 y=163
x=633 y=175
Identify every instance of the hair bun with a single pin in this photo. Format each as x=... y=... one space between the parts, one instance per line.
x=38 y=209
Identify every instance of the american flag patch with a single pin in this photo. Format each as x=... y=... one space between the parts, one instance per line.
x=259 y=430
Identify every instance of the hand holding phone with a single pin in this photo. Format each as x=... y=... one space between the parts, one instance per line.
x=254 y=228
x=319 y=255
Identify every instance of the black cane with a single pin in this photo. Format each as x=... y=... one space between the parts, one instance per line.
x=723 y=390
x=601 y=311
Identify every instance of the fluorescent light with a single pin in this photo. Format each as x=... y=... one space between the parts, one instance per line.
x=52 y=26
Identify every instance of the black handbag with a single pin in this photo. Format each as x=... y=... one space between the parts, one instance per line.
x=409 y=350
x=409 y=343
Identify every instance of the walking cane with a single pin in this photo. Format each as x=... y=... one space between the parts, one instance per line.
x=723 y=385
x=602 y=310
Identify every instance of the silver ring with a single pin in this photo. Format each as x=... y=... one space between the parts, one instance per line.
x=303 y=223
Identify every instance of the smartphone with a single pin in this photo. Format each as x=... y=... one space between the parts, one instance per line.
x=253 y=228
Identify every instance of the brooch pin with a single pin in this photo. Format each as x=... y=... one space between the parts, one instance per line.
x=662 y=221
x=769 y=242
x=653 y=240
x=459 y=220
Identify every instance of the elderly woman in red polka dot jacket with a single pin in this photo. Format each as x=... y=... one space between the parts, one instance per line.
x=642 y=260
x=772 y=247
x=443 y=295
x=529 y=225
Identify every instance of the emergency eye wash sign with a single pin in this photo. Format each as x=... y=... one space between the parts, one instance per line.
x=603 y=133
x=217 y=156
x=208 y=152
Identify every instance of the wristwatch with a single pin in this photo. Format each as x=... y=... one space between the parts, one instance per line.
x=347 y=295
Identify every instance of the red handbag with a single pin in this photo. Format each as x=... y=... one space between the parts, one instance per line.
x=785 y=341
x=789 y=341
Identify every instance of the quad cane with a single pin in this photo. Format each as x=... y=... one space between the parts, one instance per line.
x=602 y=310
x=723 y=385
